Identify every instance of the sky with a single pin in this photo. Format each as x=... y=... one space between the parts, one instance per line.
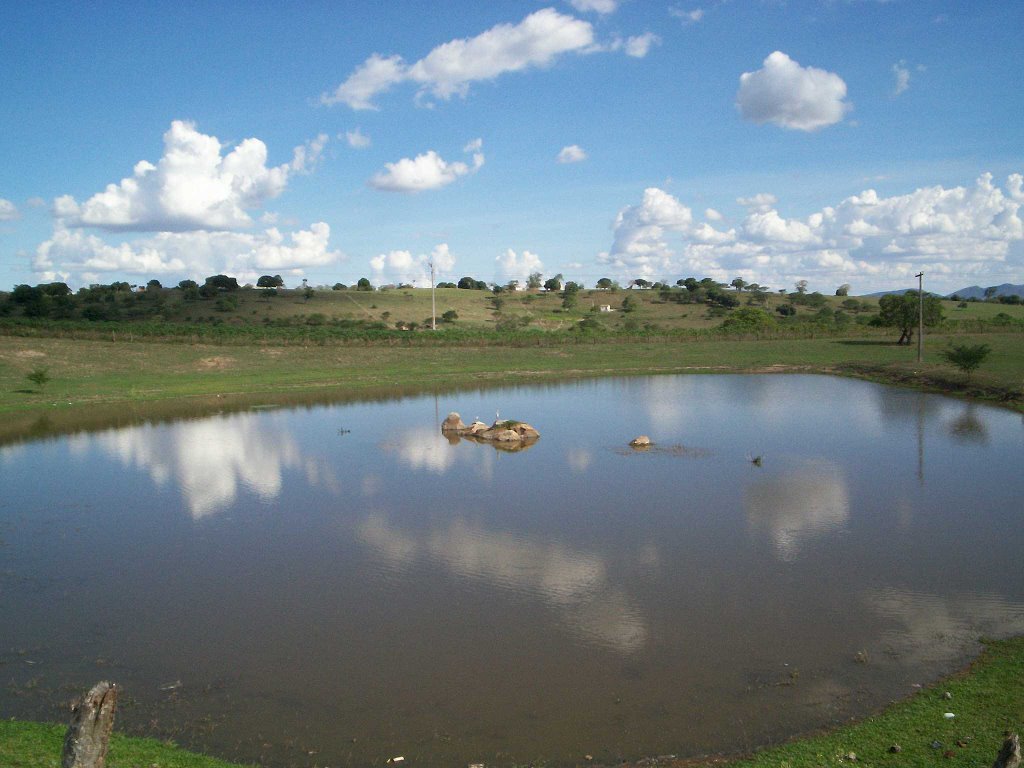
x=850 y=142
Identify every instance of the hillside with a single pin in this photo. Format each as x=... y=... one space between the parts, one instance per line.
x=977 y=292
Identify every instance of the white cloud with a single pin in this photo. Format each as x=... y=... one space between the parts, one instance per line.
x=572 y=154
x=639 y=45
x=763 y=201
x=712 y=215
x=687 y=17
x=374 y=76
x=8 y=211
x=245 y=255
x=426 y=171
x=403 y=267
x=958 y=232
x=450 y=68
x=513 y=266
x=356 y=139
x=597 y=6
x=306 y=157
x=36 y=202
x=902 y=75
x=788 y=95
x=192 y=186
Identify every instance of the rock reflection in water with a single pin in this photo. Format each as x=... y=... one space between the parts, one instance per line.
x=797 y=506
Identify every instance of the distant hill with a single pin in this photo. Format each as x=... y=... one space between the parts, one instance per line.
x=977 y=292
x=974 y=292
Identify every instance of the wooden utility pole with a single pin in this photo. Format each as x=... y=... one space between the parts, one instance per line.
x=920 y=316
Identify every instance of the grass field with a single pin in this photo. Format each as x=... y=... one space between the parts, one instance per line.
x=986 y=699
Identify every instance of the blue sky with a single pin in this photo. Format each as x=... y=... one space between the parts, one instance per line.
x=837 y=141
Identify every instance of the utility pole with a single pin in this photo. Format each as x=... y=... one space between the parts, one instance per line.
x=433 y=303
x=920 y=316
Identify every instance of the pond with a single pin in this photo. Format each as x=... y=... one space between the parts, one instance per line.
x=340 y=584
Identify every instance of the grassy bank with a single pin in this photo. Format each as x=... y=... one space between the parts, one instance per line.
x=91 y=380
x=986 y=699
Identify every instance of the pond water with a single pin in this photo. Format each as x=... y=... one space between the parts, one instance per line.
x=337 y=585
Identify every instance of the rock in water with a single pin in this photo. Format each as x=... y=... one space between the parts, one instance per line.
x=640 y=441
x=453 y=423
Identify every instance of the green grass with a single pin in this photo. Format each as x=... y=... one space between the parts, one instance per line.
x=987 y=700
x=38 y=745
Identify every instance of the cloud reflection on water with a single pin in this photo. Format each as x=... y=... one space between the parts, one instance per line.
x=575 y=582
x=933 y=629
x=797 y=506
x=208 y=459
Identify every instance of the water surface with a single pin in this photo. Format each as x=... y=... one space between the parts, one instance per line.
x=337 y=585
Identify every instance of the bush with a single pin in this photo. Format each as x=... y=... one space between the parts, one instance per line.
x=748 y=320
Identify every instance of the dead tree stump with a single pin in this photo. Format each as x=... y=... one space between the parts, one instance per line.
x=1009 y=755
x=88 y=736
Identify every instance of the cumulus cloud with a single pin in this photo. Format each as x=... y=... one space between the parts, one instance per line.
x=449 y=69
x=74 y=253
x=356 y=139
x=902 y=76
x=712 y=215
x=403 y=267
x=638 y=46
x=763 y=201
x=8 y=211
x=306 y=157
x=597 y=6
x=959 y=232
x=192 y=187
x=426 y=171
x=572 y=154
x=513 y=266
x=785 y=94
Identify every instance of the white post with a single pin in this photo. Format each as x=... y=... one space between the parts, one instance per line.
x=920 y=316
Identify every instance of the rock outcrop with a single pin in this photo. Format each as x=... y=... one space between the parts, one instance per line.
x=507 y=432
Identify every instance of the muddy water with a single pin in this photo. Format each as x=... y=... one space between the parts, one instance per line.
x=338 y=585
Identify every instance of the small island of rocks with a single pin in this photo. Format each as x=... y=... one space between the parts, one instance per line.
x=506 y=433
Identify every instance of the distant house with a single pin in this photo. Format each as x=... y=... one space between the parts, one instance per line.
x=606 y=308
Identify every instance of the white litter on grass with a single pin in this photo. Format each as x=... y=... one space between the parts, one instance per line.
x=949 y=715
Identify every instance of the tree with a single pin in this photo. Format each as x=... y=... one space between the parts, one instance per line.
x=901 y=312
x=364 y=284
x=222 y=282
x=55 y=289
x=604 y=283
x=629 y=304
x=553 y=283
x=739 y=284
x=186 y=284
x=639 y=283
x=270 y=281
x=569 y=300
x=966 y=357
x=533 y=281
x=39 y=377
x=801 y=286
x=153 y=285
x=843 y=290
